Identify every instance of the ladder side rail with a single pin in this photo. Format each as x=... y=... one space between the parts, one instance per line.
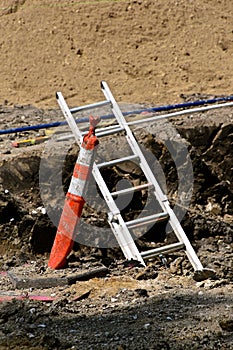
x=162 y=198
x=125 y=239
x=69 y=118
x=117 y=223
x=134 y=145
x=119 y=227
x=78 y=136
x=182 y=237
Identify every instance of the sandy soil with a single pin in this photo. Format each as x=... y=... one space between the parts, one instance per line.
x=148 y=51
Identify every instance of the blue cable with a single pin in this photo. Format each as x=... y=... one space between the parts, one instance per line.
x=109 y=116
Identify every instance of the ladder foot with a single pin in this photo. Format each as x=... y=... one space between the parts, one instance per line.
x=201 y=275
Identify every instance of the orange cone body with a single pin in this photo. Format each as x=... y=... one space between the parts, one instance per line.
x=74 y=201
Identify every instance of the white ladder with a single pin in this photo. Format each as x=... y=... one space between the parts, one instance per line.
x=119 y=227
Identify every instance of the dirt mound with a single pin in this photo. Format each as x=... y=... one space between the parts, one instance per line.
x=27 y=234
x=148 y=51
x=203 y=136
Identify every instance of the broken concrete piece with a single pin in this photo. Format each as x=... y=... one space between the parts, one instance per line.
x=51 y=280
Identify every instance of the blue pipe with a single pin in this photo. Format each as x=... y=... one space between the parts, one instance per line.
x=182 y=105
x=32 y=127
x=109 y=116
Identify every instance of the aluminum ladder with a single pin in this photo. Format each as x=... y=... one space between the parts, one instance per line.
x=120 y=228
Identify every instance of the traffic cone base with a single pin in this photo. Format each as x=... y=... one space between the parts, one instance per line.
x=64 y=239
x=61 y=249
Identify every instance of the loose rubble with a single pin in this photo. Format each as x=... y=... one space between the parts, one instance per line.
x=121 y=305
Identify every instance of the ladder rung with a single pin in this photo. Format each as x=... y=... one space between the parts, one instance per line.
x=107 y=127
x=147 y=220
x=116 y=161
x=109 y=131
x=165 y=249
x=131 y=189
x=91 y=106
x=98 y=134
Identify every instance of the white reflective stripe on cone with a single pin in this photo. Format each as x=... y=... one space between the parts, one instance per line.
x=77 y=186
x=85 y=156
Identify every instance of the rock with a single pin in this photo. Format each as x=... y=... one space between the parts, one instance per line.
x=176 y=266
x=209 y=284
x=228 y=218
x=49 y=341
x=226 y=324
x=201 y=275
x=213 y=208
x=141 y=292
x=148 y=273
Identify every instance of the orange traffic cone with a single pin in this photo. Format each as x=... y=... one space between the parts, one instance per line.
x=74 y=201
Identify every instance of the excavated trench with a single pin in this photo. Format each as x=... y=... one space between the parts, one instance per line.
x=196 y=151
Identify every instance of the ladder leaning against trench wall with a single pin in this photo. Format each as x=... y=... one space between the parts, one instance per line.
x=119 y=226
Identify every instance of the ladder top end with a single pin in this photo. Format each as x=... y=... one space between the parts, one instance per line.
x=102 y=84
x=57 y=94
